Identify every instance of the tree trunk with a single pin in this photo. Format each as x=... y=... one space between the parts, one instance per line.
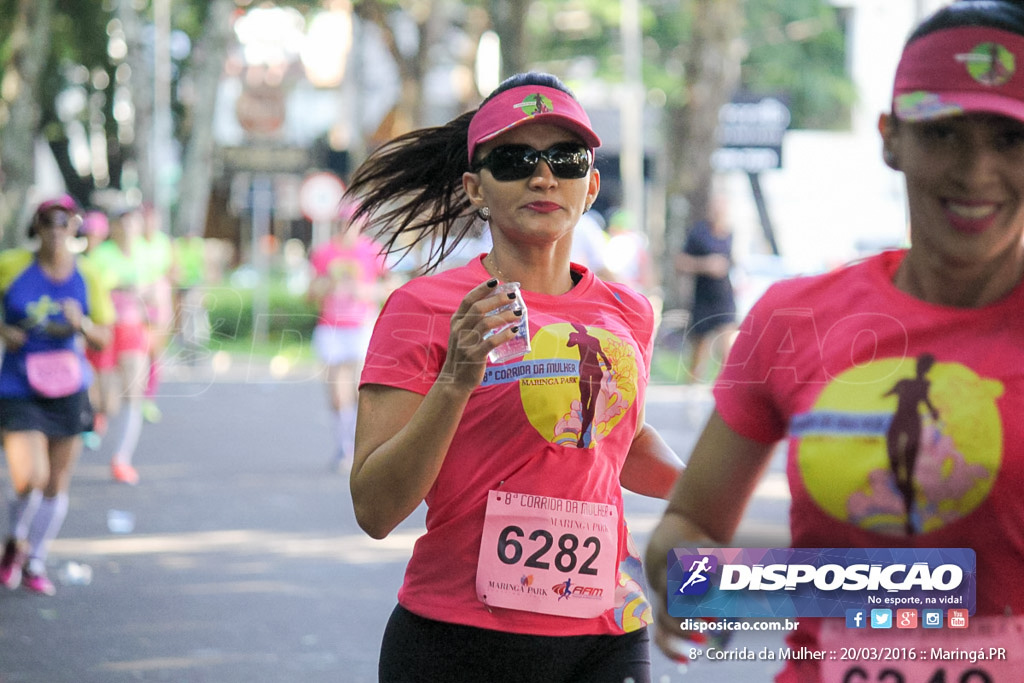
x=29 y=48
x=431 y=19
x=404 y=113
x=712 y=74
x=141 y=86
x=509 y=17
x=206 y=69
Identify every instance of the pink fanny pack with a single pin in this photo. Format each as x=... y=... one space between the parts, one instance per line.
x=54 y=374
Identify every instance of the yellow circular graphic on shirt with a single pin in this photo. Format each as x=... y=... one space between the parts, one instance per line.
x=583 y=380
x=901 y=446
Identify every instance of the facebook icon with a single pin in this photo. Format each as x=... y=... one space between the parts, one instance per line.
x=856 y=618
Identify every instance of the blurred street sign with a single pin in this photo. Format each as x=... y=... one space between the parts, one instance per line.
x=750 y=132
x=320 y=195
x=261 y=111
x=263 y=158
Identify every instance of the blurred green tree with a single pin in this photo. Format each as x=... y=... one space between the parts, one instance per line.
x=62 y=64
x=24 y=52
x=696 y=55
x=71 y=69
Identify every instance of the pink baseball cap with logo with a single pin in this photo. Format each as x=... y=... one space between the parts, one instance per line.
x=65 y=201
x=956 y=71
x=529 y=104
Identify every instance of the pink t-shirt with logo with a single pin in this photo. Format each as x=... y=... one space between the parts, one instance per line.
x=846 y=368
x=519 y=447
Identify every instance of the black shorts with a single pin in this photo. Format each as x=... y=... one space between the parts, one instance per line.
x=57 y=417
x=418 y=650
x=703 y=322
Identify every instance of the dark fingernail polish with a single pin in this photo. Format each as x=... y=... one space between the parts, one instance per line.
x=518 y=311
x=511 y=295
x=493 y=282
x=515 y=328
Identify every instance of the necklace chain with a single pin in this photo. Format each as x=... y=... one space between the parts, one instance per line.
x=497 y=268
x=503 y=278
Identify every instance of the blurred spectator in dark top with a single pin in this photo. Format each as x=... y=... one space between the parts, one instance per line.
x=707 y=257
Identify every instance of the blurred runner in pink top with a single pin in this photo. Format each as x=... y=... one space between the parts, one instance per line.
x=349 y=287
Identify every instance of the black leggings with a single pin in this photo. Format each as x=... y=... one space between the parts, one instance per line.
x=418 y=650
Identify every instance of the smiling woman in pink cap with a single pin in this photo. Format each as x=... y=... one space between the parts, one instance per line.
x=51 y=302
x=526 y=571
x=896 y=383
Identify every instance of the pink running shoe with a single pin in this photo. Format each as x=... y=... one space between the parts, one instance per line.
x=12 y=563
x=38 y=583
x=124 y=473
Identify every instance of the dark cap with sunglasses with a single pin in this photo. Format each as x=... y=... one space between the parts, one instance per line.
x=526 y=104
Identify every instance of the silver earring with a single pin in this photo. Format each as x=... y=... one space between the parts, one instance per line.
x=889 y=157
x=485 y=213
x=586 y=208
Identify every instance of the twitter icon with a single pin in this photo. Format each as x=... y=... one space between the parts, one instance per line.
x=881 y=618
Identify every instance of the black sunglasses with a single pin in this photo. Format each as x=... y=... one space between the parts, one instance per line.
x=55 y=221
x=567 y=160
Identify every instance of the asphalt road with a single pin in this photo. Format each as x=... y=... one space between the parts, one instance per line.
x=237 y=558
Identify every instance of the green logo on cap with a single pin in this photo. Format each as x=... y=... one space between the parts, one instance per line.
x=990 y=64
x=535 y=104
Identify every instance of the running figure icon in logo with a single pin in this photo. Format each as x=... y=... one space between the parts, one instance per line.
x=696 y=582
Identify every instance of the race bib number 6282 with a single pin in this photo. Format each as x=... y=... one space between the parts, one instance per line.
x=548 y=555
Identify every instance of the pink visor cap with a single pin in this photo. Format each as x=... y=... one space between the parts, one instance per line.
x=959 y=71
x=526 y=104
x=65 y=201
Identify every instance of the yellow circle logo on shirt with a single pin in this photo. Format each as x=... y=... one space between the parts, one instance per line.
x=901 y=446
x=582 y=381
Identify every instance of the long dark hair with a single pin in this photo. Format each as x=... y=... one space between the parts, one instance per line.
x=409 y=191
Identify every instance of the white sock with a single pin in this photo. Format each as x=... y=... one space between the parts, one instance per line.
x=45 y=527
x=132 y=427
x=22 y=509
x=345 y=432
